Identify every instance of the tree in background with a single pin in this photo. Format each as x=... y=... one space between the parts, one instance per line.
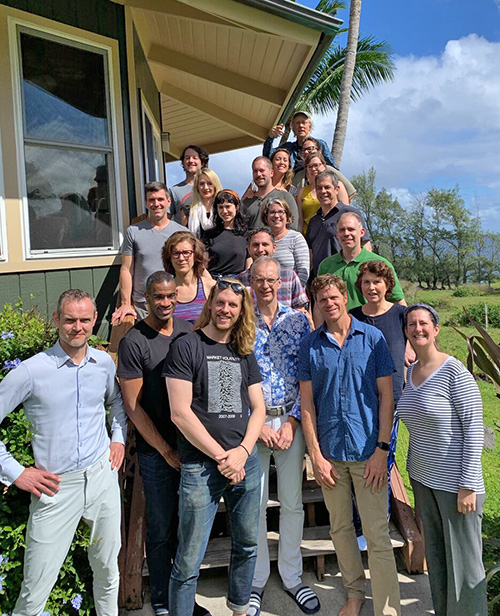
x=372 y=65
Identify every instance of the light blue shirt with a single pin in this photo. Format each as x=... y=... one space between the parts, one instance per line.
x=277 y=353
x=65 y=404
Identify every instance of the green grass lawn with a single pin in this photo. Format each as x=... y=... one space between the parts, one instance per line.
x=451 y=342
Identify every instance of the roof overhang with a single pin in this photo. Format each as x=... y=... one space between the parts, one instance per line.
x=228 y=70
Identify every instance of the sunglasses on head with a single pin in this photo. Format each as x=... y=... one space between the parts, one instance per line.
x=226 y=284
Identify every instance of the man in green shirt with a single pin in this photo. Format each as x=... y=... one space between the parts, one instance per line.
x=346 y=263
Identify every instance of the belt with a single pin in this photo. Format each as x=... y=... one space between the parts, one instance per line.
x=282 y=409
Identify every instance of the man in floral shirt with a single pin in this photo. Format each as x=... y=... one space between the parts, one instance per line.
x=280 y=331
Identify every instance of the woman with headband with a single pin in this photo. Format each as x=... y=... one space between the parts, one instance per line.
x=442 y=409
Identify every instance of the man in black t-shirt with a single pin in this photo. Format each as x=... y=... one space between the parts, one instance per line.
x=213 y=383
x=141 y=356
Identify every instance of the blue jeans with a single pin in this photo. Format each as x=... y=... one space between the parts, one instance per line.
x=200 y=491
x=161 y=484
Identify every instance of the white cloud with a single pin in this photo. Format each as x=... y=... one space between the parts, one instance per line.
x=437 y=124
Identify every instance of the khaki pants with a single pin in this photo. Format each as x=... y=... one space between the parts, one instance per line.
x=373 y=513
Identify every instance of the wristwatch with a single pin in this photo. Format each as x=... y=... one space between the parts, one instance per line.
x=382 y=445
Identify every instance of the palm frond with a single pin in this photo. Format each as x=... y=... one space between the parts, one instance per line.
x=330 y=7
x=374 y=65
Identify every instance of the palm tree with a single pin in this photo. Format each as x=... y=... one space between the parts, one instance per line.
x=347 y=81
x=372 y=65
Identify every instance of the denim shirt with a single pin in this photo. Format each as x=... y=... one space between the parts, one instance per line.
x=344 y=382
x=277 y=353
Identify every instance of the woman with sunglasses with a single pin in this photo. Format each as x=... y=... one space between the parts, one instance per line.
x=206 y=186
x=183 y=256
x=226 y=243
x=292 y=250
x=442 y=409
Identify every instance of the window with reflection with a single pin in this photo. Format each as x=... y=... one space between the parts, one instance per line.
x=67 y=145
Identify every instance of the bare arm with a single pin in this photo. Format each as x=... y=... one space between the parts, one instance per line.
x=131 y=392
x=180 y=394
x=324 y=470
x=126 y=306
x=368 y=246
x=376 y=466
x=401 y=302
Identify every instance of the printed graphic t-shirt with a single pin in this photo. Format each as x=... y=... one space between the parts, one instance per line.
x=220 y=379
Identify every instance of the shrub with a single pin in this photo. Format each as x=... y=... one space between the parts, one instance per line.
x=476 y=311
x=23 y=334
x=468 y=290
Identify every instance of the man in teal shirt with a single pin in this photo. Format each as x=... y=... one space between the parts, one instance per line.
x=345 y=264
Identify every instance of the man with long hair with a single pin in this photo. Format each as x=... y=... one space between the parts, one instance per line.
x=216 y=402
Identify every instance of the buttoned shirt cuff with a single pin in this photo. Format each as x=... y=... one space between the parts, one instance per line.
x=10 y=471
x=119 y=436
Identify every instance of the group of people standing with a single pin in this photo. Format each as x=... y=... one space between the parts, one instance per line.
x=228 y=367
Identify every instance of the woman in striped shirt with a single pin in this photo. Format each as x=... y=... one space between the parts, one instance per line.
x=441 y=407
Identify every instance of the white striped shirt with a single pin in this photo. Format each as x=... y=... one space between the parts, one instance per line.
x=444 y=416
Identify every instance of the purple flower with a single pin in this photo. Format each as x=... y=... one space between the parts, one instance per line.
x=2 y=578
x=3 y=559
x=76 y=602
x=7 y=335
x=10 y=365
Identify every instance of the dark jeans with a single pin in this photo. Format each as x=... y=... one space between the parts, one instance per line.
x=161 y=485
x=201 y=488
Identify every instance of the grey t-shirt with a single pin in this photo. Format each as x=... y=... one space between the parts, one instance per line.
x=145 y=244
x=252 y=207
x=181 y=195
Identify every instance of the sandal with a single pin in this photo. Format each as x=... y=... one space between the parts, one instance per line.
x=255 y=604
x=305 y=598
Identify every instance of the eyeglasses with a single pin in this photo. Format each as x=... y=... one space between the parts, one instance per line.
x=314 y=167
x=177 y=254
x=226 y=284
x=310 y=148
x=276 y=213
x=261 y=281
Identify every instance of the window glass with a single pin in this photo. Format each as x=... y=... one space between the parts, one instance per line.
x=64 y=92
x=68 y=199
x=67 y=146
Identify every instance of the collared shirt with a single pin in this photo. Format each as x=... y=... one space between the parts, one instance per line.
x=291 y=293
x=277 y=353
x=336 y=264
x=65 y=404
x=321 y=235
x=344 y=382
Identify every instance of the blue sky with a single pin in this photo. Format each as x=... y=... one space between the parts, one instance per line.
x=437 y=124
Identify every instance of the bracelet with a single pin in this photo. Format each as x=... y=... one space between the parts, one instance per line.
x=241 y=445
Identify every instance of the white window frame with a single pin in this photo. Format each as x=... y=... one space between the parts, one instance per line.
x=4 y=256
x=147 y=113
x=15 y=27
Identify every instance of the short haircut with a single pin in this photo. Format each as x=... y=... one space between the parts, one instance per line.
x=155 y=187
x=73 y=295
x=253 y=232
x=379 y=269
x=355 y=215
x=327 y=175
x=284 y=205
x=202 y=153
x=328 y=280
x=198 y=247
x=159 y=277
x=264 y=158
x=265 y=259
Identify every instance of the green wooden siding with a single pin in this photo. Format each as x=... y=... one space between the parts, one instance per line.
x=42 y=290
x=100 y=17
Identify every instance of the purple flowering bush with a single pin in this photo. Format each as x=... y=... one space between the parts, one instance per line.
x=23 y=334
